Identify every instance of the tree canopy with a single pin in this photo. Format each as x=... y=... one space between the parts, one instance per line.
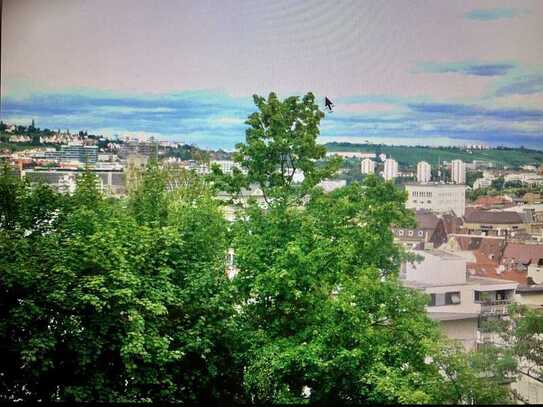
x=128 y=300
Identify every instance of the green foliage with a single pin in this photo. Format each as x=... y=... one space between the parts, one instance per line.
x=321 y=306
x=98 y=306
x=148 y=198
x=127 y=300
x=472 y=378
x=472 y=176
x=519 y=350
x=281 y=140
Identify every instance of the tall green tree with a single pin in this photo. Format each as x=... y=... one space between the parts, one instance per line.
x=281 y=142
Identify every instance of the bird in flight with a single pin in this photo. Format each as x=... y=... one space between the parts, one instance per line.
x=328 y=103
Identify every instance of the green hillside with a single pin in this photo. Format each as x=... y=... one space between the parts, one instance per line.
x=410 y=155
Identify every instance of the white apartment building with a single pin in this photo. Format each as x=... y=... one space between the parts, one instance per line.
x=226 y=166
x=457 y=301
x=438 y=198
x=328 y=185
x=424 y=172
x=350 y=154
x=391 y=169
x=458 y=172
x=482 y=183
x=367 y=166
x=528 y=178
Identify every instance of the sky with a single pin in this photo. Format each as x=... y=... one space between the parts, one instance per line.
x=401 y=72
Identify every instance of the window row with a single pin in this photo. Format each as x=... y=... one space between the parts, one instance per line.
x=411 y=233
x=450 y=298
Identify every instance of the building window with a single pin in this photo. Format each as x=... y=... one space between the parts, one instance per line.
x=421 y=233
x=540 y=262
x=437 y=300
x=410 y=233
x=452 y=298
x=400 y=232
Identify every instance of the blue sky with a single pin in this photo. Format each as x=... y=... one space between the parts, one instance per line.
x=403 y=72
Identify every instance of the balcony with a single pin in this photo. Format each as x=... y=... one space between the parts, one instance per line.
x=495 y=307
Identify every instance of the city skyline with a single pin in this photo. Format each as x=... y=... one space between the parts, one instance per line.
x=403 y=72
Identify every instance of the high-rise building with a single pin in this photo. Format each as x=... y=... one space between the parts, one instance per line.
x=458 y=172
x=367 y=166
x=391 y=169
x=424 y=172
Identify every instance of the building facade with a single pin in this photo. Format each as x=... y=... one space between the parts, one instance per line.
x=391 y=169
x=457 y=301
x=440 y=198
x=424 y=172
x=458 y=172
x=367 y=166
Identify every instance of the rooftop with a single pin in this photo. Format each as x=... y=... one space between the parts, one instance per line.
x=537 y=288
x=493 y=217
x=526 y=253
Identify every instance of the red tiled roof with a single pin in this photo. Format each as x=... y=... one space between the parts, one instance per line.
x=526 y=253
x=488 y=201
x=487 y=271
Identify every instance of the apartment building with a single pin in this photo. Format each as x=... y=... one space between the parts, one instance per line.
x=367 y=166
x=458 y=172
x=459 y=302
x=424 y=172
x=390 y=170
x=493 y=223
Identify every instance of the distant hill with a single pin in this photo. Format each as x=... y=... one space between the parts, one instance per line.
x=410 y=155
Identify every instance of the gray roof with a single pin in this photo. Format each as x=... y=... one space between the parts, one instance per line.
x=530 y=288
x=503 y=217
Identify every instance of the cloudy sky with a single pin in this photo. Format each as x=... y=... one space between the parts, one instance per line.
x=402 y=71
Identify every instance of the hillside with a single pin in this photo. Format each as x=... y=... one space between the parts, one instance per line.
x=410 y=155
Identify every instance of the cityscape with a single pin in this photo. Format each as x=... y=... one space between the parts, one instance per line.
x=164 y=243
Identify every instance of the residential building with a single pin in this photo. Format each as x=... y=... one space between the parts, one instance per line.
x=429 y=232
x=482 y=183
x=350 y=154
x=328 y=185
x=493 y=223
x=527 y=178
x=458 y=301
x=226 y=166
x=458 y=172
x=424 y=172
x=367 y=166
x=532 y=198
x=439 y=198
x=391 y=169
